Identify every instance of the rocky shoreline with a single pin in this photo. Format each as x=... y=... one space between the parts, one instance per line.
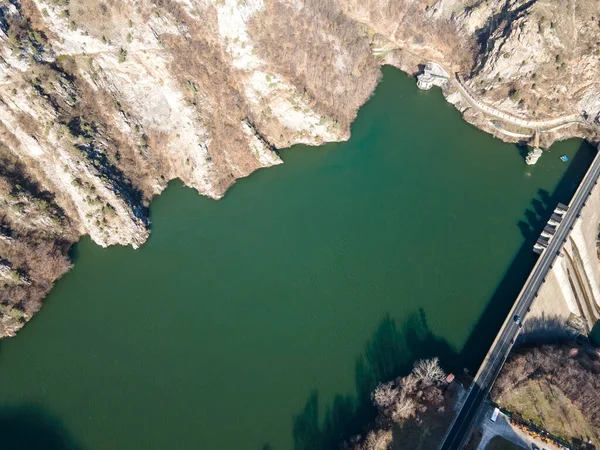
x=96 y=116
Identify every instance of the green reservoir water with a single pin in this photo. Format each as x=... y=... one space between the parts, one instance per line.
x=261 y=321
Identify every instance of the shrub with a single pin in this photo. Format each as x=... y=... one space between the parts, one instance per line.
x=122 y=55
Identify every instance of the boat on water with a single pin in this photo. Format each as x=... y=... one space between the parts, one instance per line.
x=564 y=158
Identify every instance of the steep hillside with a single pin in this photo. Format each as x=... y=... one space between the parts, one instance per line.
x=103 y=102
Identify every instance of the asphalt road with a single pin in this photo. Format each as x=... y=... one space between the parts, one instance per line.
x=463 y=424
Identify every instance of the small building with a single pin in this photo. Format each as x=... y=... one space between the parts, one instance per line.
x=433 y=75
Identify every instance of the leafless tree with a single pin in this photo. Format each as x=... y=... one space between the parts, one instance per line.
x=428 y=371
x=384 y=395
x=575 y=372
x=378 y=440
x=409 y=383
x=404 y=408
x=402 y=400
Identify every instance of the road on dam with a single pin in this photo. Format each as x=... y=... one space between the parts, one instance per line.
x=461 y=428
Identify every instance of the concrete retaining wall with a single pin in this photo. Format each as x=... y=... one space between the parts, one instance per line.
x=573 y=284
x=541 y=124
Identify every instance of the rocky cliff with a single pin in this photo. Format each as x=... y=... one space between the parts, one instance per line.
x=103 y=102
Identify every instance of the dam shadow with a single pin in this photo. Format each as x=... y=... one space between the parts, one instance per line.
x=393 y=348
x=535 y=218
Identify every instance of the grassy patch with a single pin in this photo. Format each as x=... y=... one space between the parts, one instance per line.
x=543 y=404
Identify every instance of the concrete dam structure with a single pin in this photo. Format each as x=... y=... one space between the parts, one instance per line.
x=571 y=291
x=562 y=289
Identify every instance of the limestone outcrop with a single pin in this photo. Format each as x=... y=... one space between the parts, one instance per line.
x=103 y=102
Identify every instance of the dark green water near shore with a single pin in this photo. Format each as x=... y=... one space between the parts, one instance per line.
x=263 y=320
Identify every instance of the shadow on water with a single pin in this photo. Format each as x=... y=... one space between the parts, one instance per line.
x=595 y=335
x=389 y=353
x=30 y=427
x=511 y=284
x=523 y=149
x=74 y=252
x=542 y=207
x=392 y=350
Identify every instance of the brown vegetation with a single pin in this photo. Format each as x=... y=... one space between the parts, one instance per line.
x=319 y=50
x=85 y=116
x=35 y=236
x=38 y=226
x=556 y=387
x=212 y=87
x=545 y=77
x=408 y=24
x=77 y=106
x=408 y=409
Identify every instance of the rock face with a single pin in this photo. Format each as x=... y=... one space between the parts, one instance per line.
x=103 y=102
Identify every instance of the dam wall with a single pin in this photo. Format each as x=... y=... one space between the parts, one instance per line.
x=571 y=291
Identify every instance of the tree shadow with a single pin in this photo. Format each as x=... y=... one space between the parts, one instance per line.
x=389 y=353
x=392 y=350
x=543 y=330
x=30 y=427
x=512 y=282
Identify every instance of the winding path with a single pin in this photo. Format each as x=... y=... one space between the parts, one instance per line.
x=541 y=125
x=533 y=124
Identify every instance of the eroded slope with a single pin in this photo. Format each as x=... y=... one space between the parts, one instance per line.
x=103 y=102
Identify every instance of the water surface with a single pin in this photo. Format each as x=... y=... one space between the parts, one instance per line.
x=262 y=320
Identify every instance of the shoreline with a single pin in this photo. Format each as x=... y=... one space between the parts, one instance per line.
x=480 y=114
x=452 y=95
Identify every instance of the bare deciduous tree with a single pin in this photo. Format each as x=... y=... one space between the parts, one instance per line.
x=409 y=383
x=576 y=374
x=429 y=371
x=405 y=408
x=403 y=400
x=378 y=440
x=384 y=395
